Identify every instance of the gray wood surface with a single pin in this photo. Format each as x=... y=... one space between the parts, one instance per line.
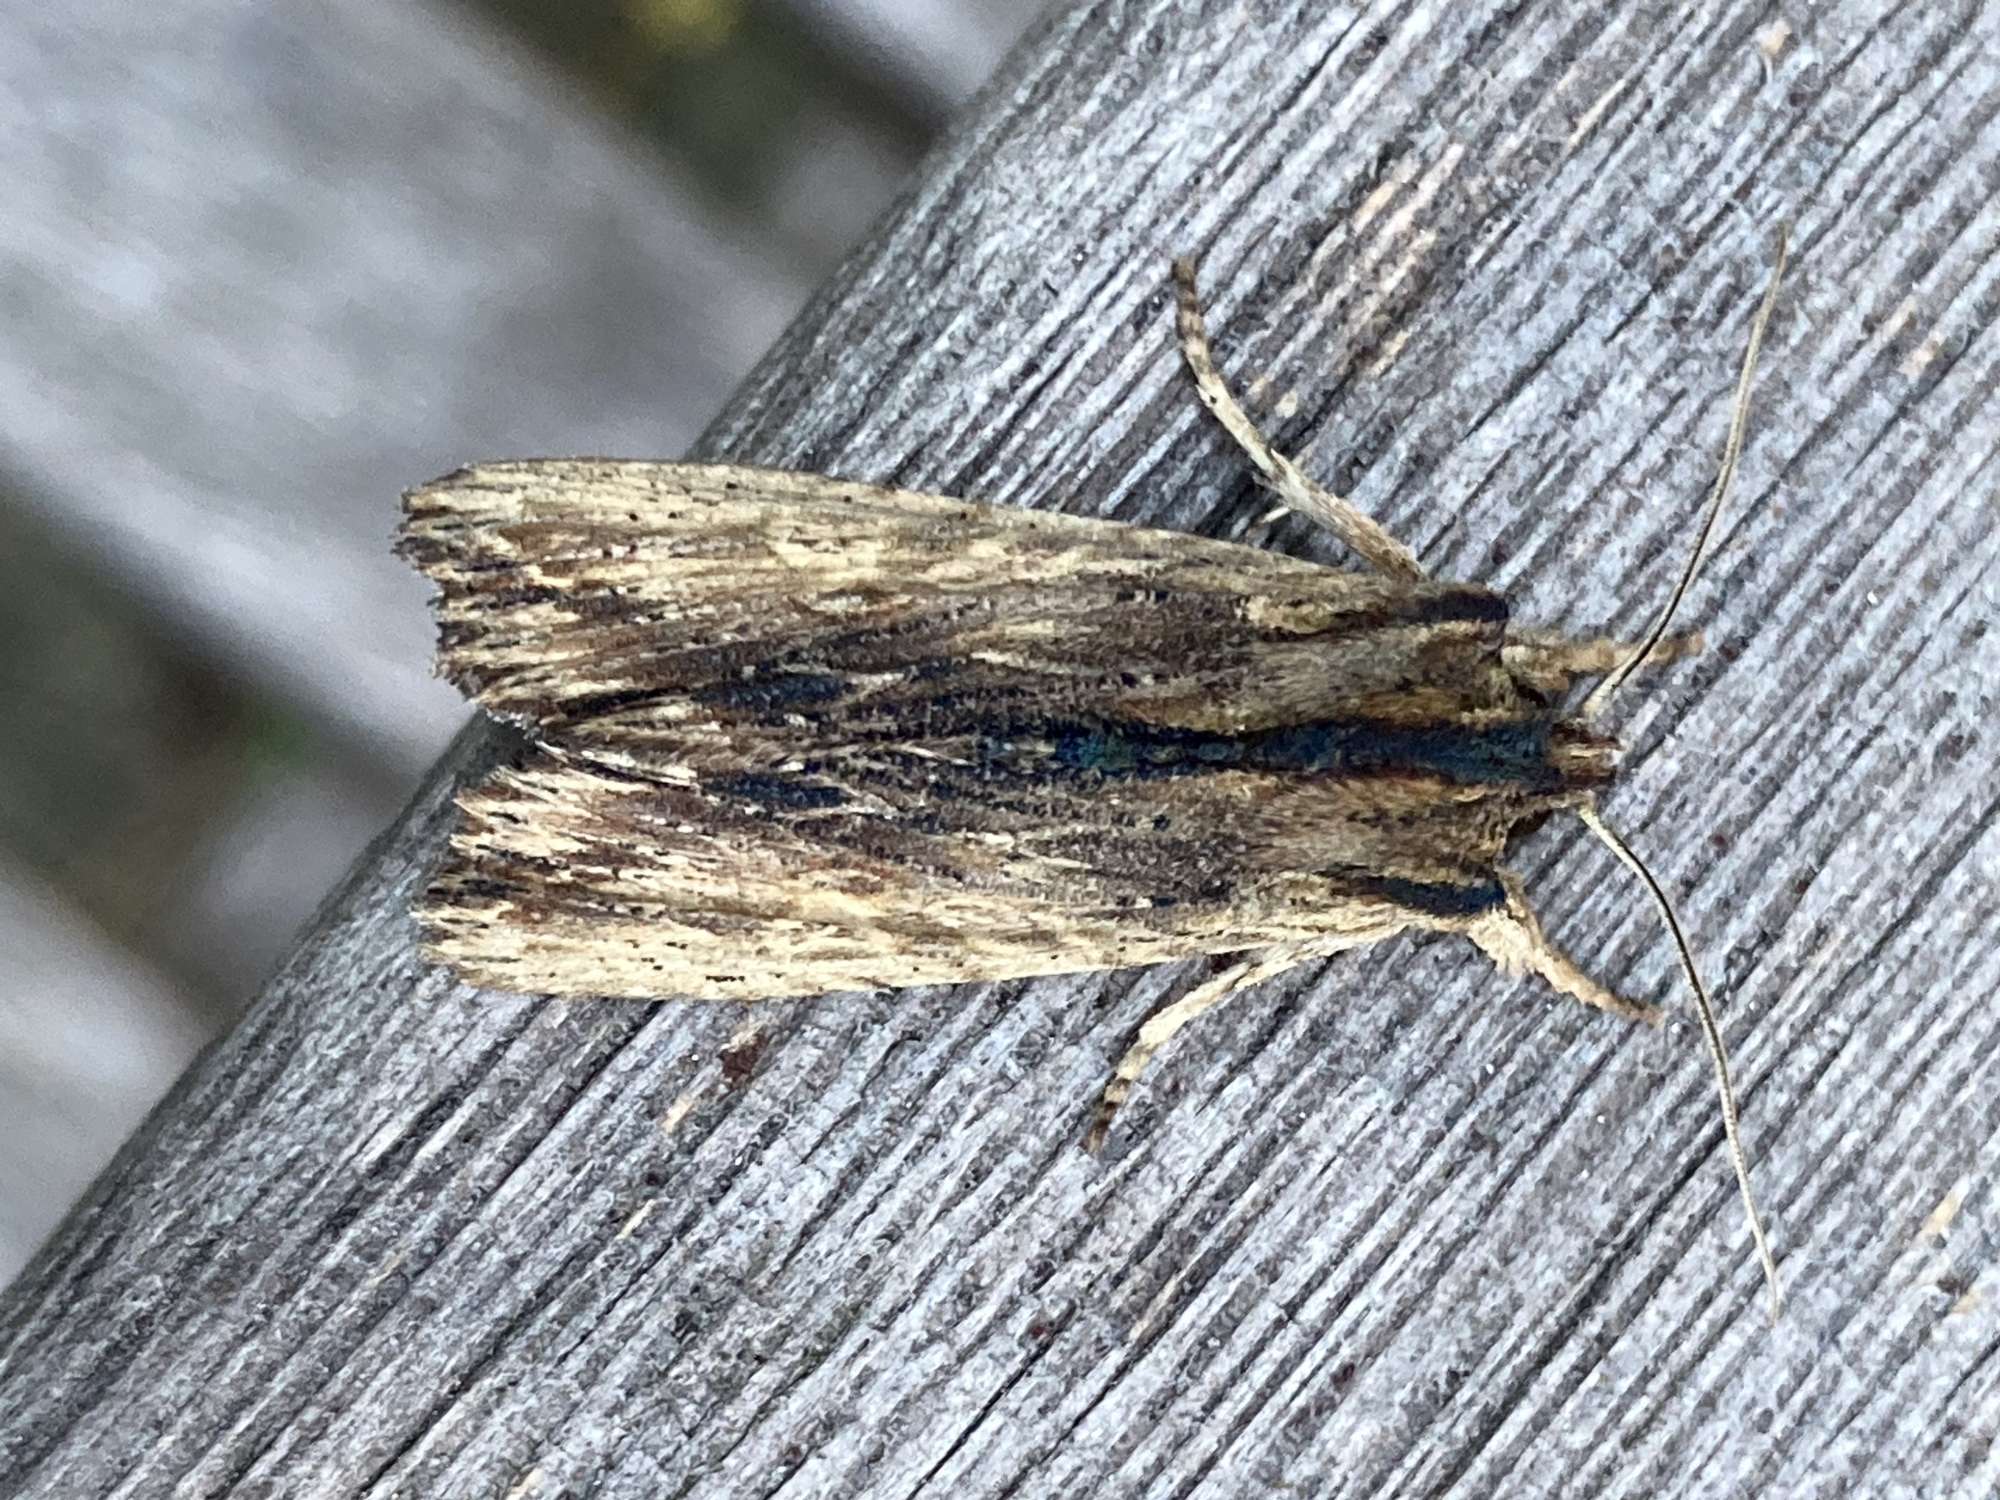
x=1399 y=1227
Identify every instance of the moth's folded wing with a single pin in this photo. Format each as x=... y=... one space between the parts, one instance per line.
x=564 y=877
x=807 y=735
x=601 y=596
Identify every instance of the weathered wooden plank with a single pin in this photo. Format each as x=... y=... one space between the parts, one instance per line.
x=1399 y=1227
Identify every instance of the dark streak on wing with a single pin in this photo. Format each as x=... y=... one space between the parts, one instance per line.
x=1433 y=897
x=1514 y=754
x=791 y=792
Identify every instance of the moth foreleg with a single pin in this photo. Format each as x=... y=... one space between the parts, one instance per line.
x=1551 y=662
x=1513 y=938
x=1161 y=1026
x=1283 y=477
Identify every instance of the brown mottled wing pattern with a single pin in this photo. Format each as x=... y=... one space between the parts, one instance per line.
x=800 y=735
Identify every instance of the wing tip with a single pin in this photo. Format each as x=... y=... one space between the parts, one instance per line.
x=433 y=520
x=451 y=517
x=450 y=526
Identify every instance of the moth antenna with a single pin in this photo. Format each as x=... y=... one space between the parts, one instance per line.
x=1713 y=1034
x=1732 y=450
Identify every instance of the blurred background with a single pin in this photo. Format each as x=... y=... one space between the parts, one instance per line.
x=262 y=267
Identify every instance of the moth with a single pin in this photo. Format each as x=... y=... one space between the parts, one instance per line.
x=795 y=735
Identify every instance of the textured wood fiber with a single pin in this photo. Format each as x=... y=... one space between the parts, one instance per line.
x=1396 y=1227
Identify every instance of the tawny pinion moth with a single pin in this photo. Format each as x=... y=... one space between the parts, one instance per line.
x=797 y=735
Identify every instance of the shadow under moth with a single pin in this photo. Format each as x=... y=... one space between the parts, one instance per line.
x=795 y=735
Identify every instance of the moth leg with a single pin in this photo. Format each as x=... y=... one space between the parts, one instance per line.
x=1514 y=940
x=1550 y=662
x=1280 y=475
x=1161 y=1026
